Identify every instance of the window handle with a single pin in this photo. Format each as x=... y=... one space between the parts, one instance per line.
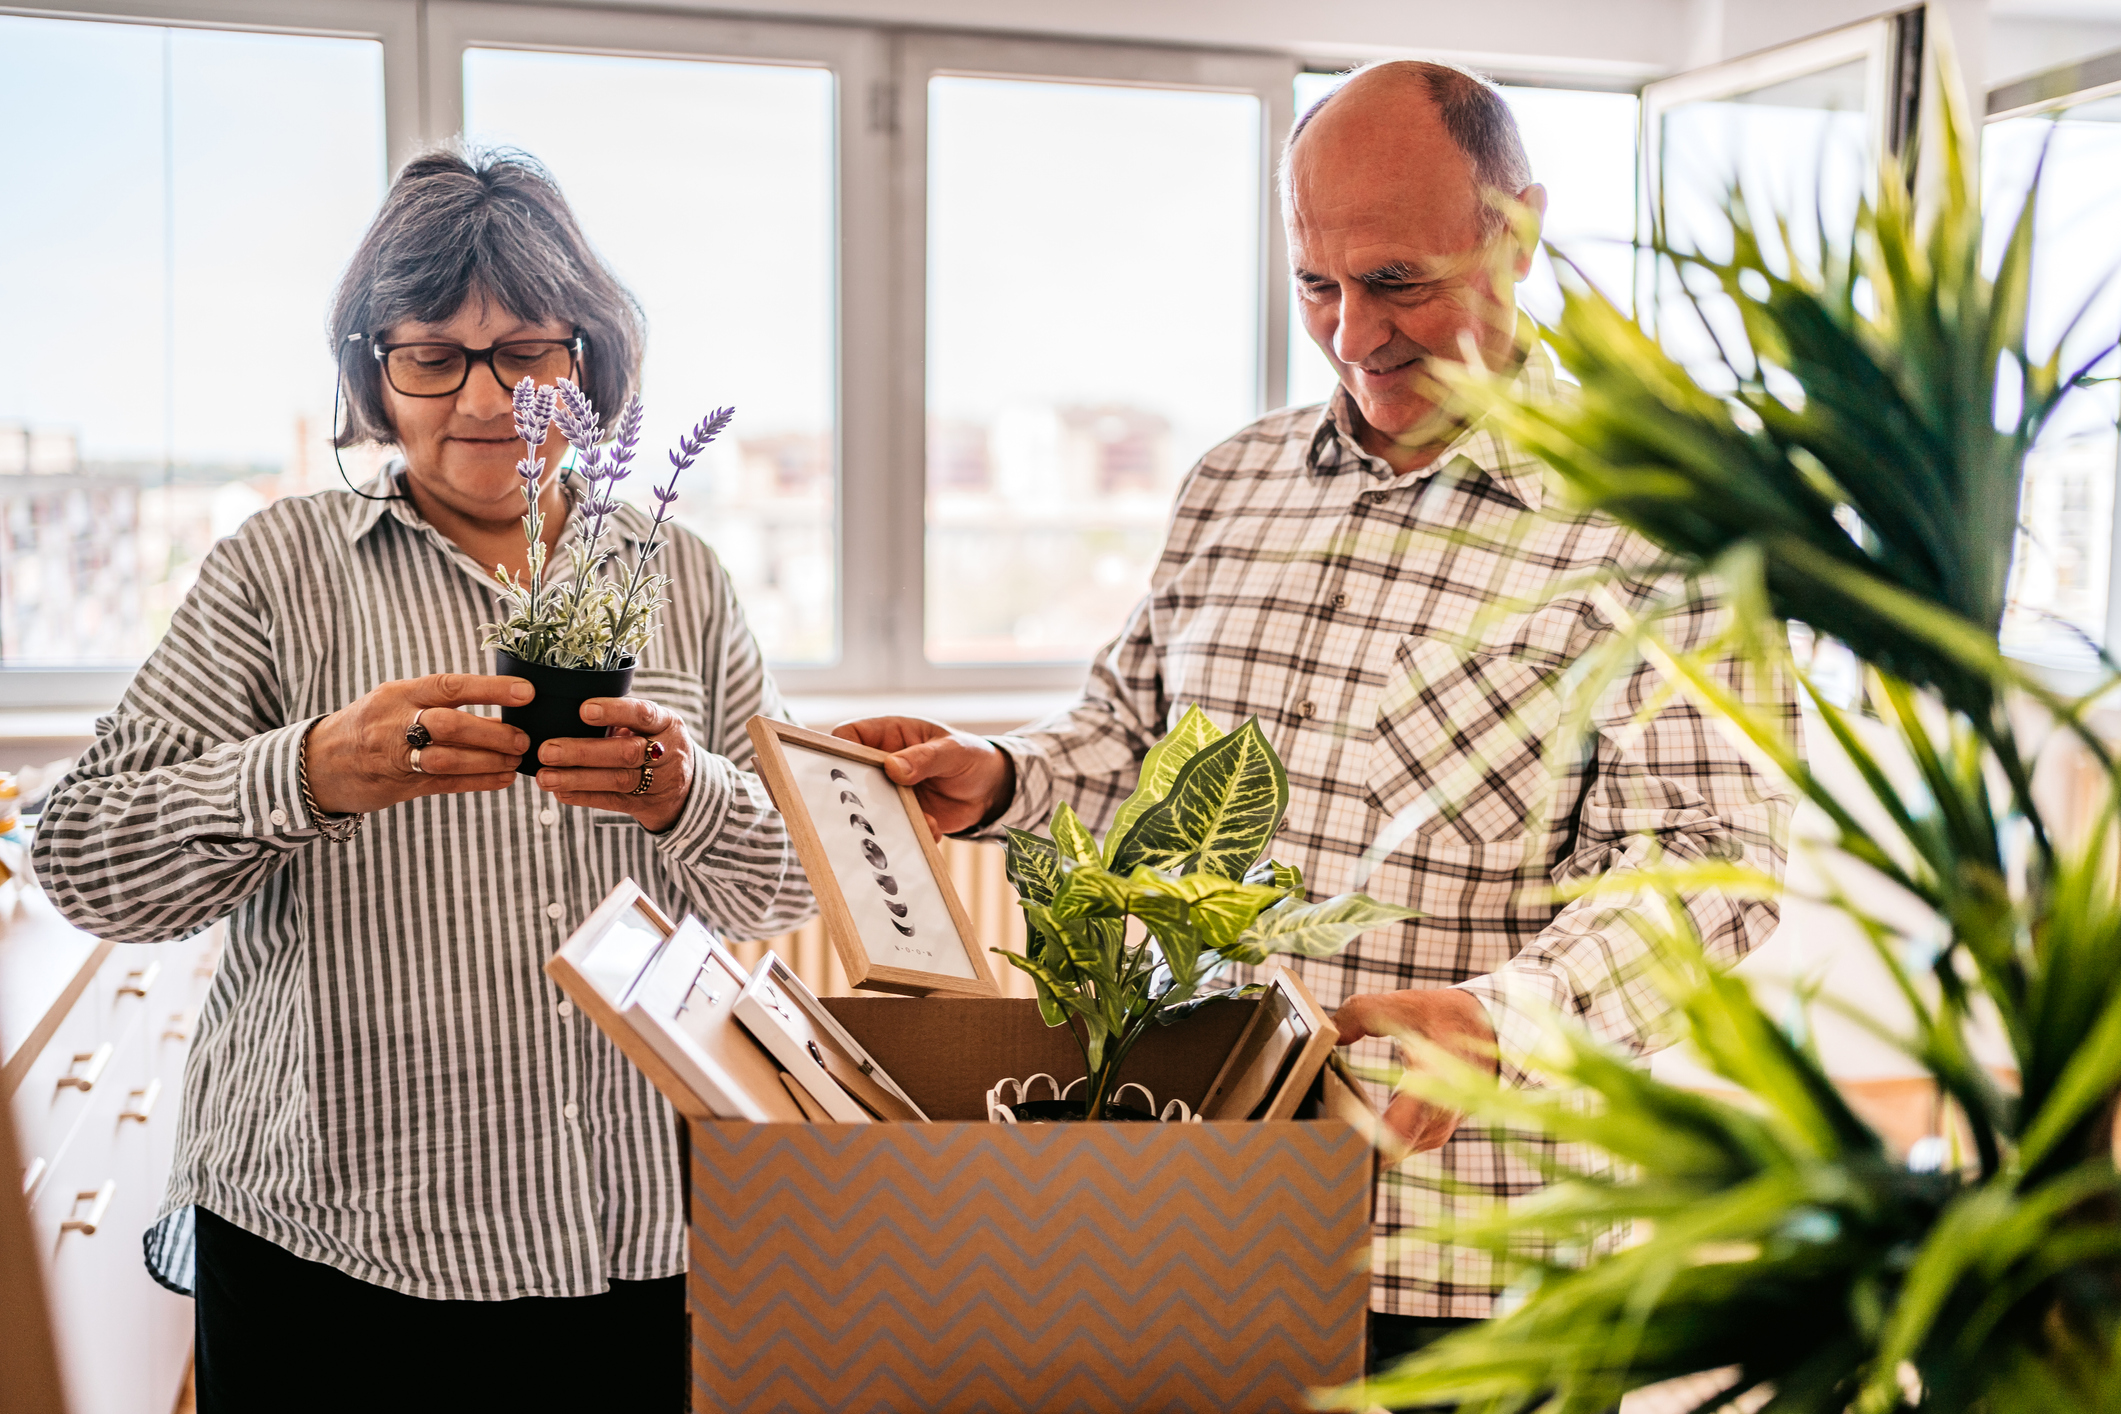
x=87 y=1078
x=100 y=1198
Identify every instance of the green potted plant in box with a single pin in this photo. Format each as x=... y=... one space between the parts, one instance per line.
x=579 y=636
x=1183 y=857
x=1854 y=464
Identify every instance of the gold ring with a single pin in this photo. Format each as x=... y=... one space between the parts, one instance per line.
x=416 y=766
x=647 y=780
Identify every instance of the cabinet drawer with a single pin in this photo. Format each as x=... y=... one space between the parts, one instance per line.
x=76 y=1063
x=122 y=1338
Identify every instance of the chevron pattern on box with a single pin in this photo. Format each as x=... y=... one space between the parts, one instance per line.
x=1052 y=1267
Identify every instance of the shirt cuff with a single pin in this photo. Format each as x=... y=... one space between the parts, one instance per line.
x=1034 y=790
x=268 y=799
x=715 y=781
x=1523 y=1005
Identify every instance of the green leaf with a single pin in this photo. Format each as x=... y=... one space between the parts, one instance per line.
x=1092 y=891
x=1159 y=769
x=1315 y=929
x=1282 y=876
x=1072 y=839
x=1033 y=866
x=1222 y=809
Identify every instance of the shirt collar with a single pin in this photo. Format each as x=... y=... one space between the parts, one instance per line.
x=1335 y=446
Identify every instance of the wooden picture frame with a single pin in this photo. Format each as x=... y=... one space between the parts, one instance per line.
x=633 y=973
x=1277 y=1056
x=818 y=1055
x=863 y=903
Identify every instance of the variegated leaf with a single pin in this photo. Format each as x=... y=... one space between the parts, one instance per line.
x=1282 y=876
x=1220 y=813
x=1316 y=929
x=1159 y=769
x=1033 y=866
x=1072 y=838
x=1091 y=891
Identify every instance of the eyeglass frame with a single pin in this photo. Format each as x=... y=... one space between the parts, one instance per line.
x=576 y=343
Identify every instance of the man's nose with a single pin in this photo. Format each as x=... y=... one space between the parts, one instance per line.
x=1364 y=327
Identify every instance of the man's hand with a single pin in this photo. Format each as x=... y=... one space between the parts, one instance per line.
x=1449 y=1018
x=961 y=779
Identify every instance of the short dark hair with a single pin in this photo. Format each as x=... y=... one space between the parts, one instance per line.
x=490 y=221
x=1475 y=116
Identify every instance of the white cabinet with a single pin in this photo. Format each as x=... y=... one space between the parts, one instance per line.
x=95 y=1037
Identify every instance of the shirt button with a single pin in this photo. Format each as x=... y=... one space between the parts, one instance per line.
x=1373 y=498
x=548 y=817
x=1340 y=601
x=278 y=817
x=553 y=911
x=1306 y=708
x=570 y=1109
x=566 y=1009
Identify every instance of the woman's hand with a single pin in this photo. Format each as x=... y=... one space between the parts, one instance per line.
x=359 y=760
x=603 y=773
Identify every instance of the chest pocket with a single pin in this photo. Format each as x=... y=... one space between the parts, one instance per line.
x=1468 y=737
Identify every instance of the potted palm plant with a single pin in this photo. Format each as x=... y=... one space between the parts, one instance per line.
x=1854 y=464
x=1183 y=857
x=578 y=636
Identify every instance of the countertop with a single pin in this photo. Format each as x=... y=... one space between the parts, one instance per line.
x=45 y=962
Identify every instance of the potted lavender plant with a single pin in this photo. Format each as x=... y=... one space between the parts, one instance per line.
x=578 y=636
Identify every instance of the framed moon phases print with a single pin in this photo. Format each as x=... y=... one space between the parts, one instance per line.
x=882 y=890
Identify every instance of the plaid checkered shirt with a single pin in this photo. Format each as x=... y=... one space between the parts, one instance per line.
x=1375 y=623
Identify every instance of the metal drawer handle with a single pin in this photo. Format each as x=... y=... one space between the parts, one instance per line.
x=206 y=964
x=101 y=1196
x=139 y=980
x=178 y=1028
x=146 y=1098
x=86 y=1080
x=31 y=1174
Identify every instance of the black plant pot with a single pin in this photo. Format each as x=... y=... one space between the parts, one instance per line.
x=1065 y=1111
x=557 y=709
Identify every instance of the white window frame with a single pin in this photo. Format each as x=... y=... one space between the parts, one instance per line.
x=1270 y=78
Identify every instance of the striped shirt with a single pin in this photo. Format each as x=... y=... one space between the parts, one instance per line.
x=384 y=1080
x=1404 y=642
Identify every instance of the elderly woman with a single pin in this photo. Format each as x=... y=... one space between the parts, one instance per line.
x=408 y=1172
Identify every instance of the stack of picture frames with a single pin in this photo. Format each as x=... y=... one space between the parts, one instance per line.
x=719 y=1044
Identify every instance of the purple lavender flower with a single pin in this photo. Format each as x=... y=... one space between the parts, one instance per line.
x=577 y=417
x=533 y=407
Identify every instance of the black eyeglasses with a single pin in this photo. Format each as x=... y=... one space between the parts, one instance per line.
x=427 y=370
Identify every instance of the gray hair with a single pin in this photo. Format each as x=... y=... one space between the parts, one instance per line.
x=492 y=222
x=1473 y=113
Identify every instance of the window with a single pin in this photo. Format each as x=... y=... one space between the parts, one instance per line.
x=2061 y=578
x=168 y=258
x=1582 y=148
x=1093 y=328
x=709 y=187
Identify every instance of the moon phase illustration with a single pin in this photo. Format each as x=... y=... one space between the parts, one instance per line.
x=860 y=824
x=888 y=884
x=877 y=858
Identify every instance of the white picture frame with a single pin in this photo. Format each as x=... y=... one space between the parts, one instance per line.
x=816 y=1052
x=898 y=926
x=636 y=975
x=1277 y=1055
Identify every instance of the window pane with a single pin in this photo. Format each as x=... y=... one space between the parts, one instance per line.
x=2059 y=580
x=1582 y=147
x=709 y=188
x=173 y=235
x=1093 y=328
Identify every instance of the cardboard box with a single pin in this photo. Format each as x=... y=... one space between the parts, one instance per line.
x=965 y=1265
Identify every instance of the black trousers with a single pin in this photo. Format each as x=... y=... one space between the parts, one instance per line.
x=277 y=1333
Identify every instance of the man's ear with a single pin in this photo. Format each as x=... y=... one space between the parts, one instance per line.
x=1528 y=219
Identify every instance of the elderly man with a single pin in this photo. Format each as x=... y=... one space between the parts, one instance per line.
x=1396 y=597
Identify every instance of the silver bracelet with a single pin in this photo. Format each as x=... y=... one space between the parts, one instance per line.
x=337 y=828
